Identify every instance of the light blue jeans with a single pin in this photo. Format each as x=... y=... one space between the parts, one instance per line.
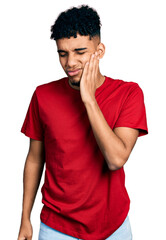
x=122 y=233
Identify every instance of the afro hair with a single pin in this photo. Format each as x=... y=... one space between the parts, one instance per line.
x=82 y=20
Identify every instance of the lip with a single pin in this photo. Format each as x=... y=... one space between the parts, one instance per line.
x=73 y=73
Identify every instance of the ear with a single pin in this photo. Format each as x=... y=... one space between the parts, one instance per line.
x=101 y=50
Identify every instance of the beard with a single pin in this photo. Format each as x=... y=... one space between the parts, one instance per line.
x=75 y=83
x=75 y=80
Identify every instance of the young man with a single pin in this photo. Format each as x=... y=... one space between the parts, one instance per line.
x=84 y=127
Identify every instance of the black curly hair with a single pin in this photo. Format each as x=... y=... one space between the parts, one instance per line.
x=82 y=20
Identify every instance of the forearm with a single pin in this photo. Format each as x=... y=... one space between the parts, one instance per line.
x=110 y=144
x=31 y=180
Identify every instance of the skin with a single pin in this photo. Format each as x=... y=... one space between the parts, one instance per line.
x=72 y=58
x=116 y=145
x=33 y=170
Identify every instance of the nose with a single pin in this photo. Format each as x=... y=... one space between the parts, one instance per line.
x=71 y=61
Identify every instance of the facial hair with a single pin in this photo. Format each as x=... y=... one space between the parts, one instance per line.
x=75 y=83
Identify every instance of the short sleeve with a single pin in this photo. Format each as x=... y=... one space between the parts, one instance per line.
x=32 y=126
x=133 y=112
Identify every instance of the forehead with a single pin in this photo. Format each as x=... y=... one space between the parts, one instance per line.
x=72 y=43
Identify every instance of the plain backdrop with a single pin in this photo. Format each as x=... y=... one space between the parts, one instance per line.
x=134 y=35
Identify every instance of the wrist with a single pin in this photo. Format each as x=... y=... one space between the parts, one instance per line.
x=25 y=216
x=90 y=102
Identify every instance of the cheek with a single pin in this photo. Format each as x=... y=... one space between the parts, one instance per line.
x=86 y=59
x=62 y=62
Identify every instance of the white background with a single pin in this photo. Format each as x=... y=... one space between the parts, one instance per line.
x=134 y=35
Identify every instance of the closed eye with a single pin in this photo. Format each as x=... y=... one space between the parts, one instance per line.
x=80 y=53
x=63 y=55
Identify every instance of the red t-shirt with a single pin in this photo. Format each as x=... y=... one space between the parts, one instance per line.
x=81 y=196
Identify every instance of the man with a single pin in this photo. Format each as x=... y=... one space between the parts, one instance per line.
x=84 y=127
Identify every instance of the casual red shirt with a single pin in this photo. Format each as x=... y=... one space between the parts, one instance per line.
x=81 y=196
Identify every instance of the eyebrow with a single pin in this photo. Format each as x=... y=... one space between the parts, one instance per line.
x=76 y=49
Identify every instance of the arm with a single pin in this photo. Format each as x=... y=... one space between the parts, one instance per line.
x=116 y=145
x=32 y=175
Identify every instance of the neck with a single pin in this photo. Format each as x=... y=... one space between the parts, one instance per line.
x=100 y=80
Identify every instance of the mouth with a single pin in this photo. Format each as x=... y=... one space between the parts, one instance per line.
x=73 y=73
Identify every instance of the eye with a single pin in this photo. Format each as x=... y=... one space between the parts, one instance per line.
x=80 y=53
x=62 y=55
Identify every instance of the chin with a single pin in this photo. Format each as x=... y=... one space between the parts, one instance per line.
x=74 y=79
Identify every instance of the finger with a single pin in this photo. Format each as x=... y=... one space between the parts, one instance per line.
x=97 y=63
x=85 y=71
x=91 y=63
x=86 y=68
x=91 y=74
x=95 y=66
x=21 y=238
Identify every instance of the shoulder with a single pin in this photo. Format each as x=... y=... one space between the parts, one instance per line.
x=46 y=91
x=123 y=83
x=49 y=89
x=125 y=87
x=50 y=85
